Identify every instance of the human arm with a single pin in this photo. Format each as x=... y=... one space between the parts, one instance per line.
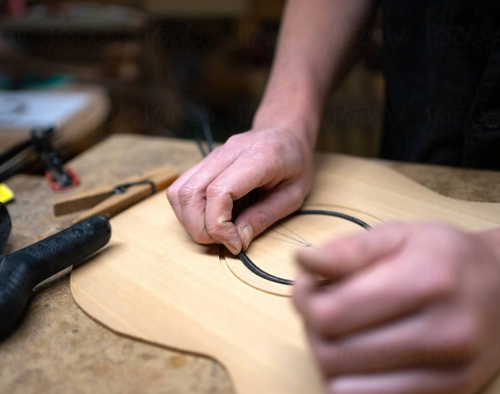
x=414 y=309
x=317 y=40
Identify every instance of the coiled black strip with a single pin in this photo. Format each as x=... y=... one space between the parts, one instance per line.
x=247 y=262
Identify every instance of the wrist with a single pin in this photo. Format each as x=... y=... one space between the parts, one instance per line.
x=300 y=118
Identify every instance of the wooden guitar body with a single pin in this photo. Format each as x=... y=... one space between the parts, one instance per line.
x=154 y=283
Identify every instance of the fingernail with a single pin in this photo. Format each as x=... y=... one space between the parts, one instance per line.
x=233 y=249
x=246 y=236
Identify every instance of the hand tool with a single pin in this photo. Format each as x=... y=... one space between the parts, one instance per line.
x=59 y=177
x=21 y=271
x=6 y=195
x=38 y=146
x=109 y=202
x=5 y=227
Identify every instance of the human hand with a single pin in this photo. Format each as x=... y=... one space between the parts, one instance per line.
x=414 y=309
x=277 y=161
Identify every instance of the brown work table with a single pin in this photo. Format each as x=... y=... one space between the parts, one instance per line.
x=59 y=349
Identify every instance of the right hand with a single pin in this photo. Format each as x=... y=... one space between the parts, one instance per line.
x=279 y=162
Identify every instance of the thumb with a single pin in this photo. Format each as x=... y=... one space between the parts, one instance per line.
x=345 y=256
x=275 y=205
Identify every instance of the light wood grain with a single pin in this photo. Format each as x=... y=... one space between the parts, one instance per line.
x=154 y=283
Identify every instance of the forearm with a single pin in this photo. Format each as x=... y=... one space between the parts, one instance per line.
x=317 y=40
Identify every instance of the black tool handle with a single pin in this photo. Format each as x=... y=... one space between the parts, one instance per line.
x=21 y=271
x=5 y=227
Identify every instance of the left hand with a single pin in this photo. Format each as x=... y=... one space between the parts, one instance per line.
x=415 y=309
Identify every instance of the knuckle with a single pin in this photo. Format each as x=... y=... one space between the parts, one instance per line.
x=264 y=218
x=322 y=313
x=214 y=190
x=455 y=346
x=234 y=139
x=172 y=193
x=219 y=231
x=296 y=198
x=271 y=148
x=442 y=283
x=186 y=194
x=233 y=143
x=347 y=249
x=214 y=230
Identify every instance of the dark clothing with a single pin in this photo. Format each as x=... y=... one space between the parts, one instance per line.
x=442 y=67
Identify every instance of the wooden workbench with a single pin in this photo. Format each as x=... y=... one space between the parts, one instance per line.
x=58 y=348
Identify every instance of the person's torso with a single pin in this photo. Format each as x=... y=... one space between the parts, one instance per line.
x=442 y=67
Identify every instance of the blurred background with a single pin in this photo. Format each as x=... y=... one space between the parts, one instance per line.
x=159 y=67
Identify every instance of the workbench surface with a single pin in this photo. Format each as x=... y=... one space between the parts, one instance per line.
x=58 y=348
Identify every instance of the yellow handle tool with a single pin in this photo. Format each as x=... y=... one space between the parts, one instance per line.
x=6 y=194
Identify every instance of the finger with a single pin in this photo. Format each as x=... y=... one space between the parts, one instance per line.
x=347 y=255
x=192 y=194
x=303 y=288
x=277 y=204
x=235 y=182
x=173 y=191
x=378 y=294
x=422 y=340
x=428 y=381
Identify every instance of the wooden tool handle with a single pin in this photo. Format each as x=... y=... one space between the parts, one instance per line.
x=160 y=177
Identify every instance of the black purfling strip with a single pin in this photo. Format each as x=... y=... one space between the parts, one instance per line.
x=276 y=279
x=350 y=218
x=260 y=272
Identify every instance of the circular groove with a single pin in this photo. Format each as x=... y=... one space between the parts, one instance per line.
x=247 y=262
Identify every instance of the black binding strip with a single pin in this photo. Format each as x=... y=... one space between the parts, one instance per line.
x=247 y=262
